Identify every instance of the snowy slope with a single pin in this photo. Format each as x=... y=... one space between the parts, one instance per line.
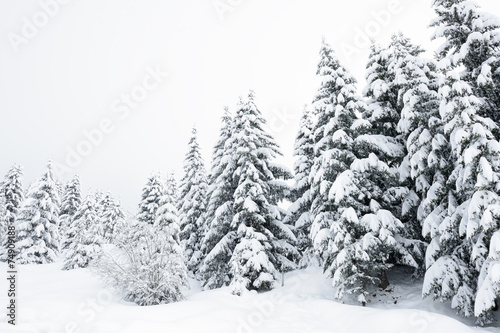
x=51 y=300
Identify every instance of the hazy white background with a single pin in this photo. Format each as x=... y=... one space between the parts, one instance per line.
x=71 y=73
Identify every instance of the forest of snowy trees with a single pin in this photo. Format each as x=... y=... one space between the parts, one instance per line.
x=405 y=172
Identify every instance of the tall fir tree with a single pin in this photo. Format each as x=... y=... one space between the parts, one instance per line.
x=389 y=77
x=391 y=74
x=193 y=191
x=367 y=235
x=84 y=240
x=299 y=211
x=12 y=196
x=167 y=225
x=264 y=244
x=421 y=126
x=70 y=202
x=335 y=107
x=219 y=240
x=463 y=251
x=37 y=238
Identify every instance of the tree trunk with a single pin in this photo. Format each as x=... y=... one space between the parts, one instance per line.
x=384 y=281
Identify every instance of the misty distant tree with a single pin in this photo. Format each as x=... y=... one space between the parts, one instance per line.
x=150 y=199
x=70 y=202
x=111 y=216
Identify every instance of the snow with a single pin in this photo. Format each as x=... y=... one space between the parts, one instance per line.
x=495 y=245
x=486 y=169
x=250 y=205
x=342 y=187
x=386 y=144
x=52 y=300
x=488 y=290
x=470 y=154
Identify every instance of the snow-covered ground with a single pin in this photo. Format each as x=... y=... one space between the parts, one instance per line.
x=52 y=300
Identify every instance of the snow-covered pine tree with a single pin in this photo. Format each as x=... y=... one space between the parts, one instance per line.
x=335 y=107
x=112 y=217
x=12 y=196
x=171 y=191
x=69 y=204
x=167 y=215
x=193 y=191
x=367 y=239
x=404 y=77
x=167 y=222
x=219 y=241
x=37 y=239
x=150 y=200
x=264 y=243
x=437 y=202
x=171 y=188
x=59 y=185
x=299 y=211
x=464 y=251
x=84 y=240
x=472 y=40
x=152 y=194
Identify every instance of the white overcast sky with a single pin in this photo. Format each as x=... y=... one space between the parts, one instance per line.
x=73 y=71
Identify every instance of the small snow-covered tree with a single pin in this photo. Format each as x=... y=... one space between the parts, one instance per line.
x=367 y=239
x=12 y=196
x=111 y=216
x=149 y=269
x=37 y=239
x=264 y=243
x=84 y=237
x=336 y=107
x=193 y=190
x=69 y=204
x=299 y=212
x=150 y=200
